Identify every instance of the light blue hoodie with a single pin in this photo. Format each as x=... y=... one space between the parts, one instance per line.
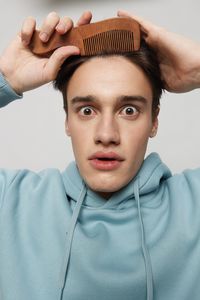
x=61 y=241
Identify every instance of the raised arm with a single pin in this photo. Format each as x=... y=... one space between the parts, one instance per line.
x=25 y=71
x=179 y=56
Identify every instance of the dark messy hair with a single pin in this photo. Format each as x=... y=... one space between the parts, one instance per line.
x=145 y=58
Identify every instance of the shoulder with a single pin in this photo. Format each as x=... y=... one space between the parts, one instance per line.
x=183 y=191
x=26 y=183
x=32 y=178
x=189 y=178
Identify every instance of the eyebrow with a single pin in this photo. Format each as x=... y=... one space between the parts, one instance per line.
x=120 y=99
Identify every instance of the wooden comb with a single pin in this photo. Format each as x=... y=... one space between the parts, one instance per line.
x=111 y=35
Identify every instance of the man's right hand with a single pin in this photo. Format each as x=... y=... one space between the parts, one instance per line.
x=25 y=71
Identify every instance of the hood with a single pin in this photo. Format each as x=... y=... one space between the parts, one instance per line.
x=148 y=179
x=152 y=172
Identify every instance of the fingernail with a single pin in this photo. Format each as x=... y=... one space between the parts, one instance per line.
x=77 y=51
x=44 y=36
x=61 y=27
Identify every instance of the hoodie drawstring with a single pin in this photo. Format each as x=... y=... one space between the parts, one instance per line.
x=147 y=259
x=70 y=238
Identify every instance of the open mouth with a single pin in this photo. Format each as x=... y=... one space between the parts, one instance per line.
x=105 y=161
x=107 y=156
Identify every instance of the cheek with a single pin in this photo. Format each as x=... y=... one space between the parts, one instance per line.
x=137 y=133
x=80 y=137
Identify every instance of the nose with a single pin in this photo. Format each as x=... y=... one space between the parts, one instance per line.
x=107 y=131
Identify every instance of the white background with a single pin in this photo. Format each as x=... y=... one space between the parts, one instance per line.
x=32 y=130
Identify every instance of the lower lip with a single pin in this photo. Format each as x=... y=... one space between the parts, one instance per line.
x=105 y=164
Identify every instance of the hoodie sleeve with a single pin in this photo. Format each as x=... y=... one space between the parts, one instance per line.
x=7 y=94
x=6 y=179
x=187 y=194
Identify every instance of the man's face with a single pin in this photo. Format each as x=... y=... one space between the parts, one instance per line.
x=109 y=121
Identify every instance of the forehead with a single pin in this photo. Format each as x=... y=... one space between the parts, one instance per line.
x=109 y=78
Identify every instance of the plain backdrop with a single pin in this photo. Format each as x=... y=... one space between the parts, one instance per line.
x=32 y=130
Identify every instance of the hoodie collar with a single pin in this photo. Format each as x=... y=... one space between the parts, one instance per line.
x=147 y=180
x=151 y=173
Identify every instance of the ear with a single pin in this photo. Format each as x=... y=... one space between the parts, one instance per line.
x=155 y=123
x=67 y=127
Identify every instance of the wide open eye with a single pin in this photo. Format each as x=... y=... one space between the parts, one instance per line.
x=129 y=111
x=86 y=111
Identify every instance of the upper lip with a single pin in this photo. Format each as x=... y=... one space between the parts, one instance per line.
x=109 y=155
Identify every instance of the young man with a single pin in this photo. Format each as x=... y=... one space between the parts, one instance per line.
x=112 y=225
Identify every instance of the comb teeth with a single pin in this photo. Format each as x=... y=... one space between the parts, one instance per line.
x=113 y=41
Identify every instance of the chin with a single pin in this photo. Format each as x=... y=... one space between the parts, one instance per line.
x=106 y=182
x=106 y=186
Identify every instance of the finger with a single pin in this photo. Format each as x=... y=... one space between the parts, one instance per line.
x=85 y=18
x=48 y=26
x=150 y=32
x=146 y=26
x=64 y=25
x=27 y=30
x=56 y=60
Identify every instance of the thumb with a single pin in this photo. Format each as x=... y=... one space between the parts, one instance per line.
x=56 y=60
